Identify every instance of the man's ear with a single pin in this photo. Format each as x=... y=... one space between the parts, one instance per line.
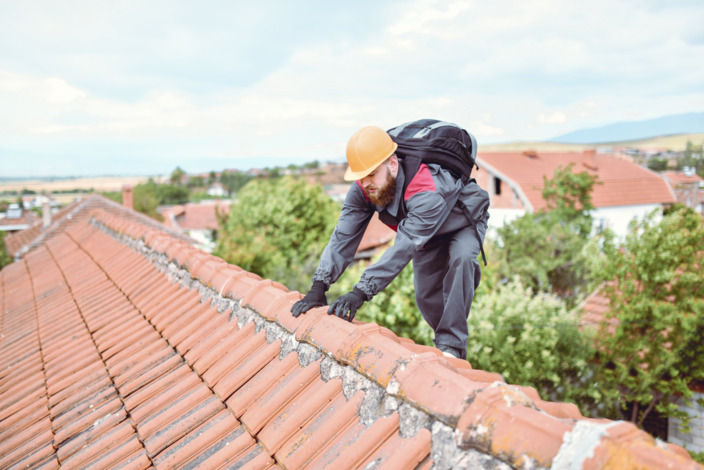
x=393 y=165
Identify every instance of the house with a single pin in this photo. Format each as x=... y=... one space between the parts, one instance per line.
x=217 y=190
x=515 y=182
x=688 y=187
x=123 y=345
x=594 y=310
x=197 y=220
x=16 y=219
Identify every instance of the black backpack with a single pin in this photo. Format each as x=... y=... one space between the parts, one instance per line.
x=439 y=142
x=443 y=143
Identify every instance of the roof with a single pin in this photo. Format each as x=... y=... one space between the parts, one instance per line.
x=196 y=216
x=377 y=234
x=624 y=182
x=678 y=178
x=123 y=345
x=20 y=242
x=26 y=220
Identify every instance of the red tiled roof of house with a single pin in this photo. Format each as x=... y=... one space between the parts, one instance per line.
x=27 y=219
x=122 y=345
x=624 y=182
x=677 y=177
x=376 y=234
x=195 y=216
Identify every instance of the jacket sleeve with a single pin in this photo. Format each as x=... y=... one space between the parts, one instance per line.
x=339 y=253
x=426 y=211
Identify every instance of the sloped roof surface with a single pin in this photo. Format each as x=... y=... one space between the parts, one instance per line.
x=27 y=219
x=123 y=346
x=377 y=234
x=196 y=216
x=623 y=182
x=677 y=177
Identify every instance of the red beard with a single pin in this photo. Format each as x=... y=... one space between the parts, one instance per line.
x=384 y=195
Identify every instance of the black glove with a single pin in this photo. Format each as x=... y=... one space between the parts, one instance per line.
x=314 y=298
x=346 y=306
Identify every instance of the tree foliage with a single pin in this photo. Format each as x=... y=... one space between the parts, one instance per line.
x=177 y=175
x=146 y=200
x=543 y=249
x=148 y=196
x=5 y=257
x=234 y=181
x=532 y=340
x=656 y=291
x=278 y=229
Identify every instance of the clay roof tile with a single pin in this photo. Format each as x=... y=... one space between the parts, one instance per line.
x=122 y=345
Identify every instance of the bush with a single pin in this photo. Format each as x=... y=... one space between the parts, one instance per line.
x=278 y=229
x=531 y=339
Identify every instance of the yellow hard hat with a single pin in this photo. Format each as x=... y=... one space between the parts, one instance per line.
x=368 y=148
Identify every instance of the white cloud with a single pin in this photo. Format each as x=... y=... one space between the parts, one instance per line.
x=556 y=117
x=294 y=82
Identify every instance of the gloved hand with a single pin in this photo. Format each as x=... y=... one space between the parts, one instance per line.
x=346 y=306
x=314 y=298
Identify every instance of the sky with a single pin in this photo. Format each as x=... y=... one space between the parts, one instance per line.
x=140 y=87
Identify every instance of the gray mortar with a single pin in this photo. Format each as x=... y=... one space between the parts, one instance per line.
x=307 y=354
x=579 y=444
x=377 y=403
x=412 y=420
x=447 y=456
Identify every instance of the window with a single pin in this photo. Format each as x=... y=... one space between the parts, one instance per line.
x=497 y=186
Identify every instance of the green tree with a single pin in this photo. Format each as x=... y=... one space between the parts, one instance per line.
x=278 y=229
x=657 y=164
x=196 y=182
x=543 y=249
x=146 y=199
x=651 y=347
x=5 y=257
x=177 y=175
x=171 y=194
x=532 y=339
x=234 y=181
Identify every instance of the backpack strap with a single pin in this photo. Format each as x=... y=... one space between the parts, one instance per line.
x=411 y=165
x=467 y=213
x=410 y=168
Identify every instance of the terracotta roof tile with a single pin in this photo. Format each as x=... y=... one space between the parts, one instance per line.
x=122 y=346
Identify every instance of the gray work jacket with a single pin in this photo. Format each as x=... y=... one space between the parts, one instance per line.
x=428 y=208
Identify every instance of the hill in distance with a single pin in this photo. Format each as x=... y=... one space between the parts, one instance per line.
x=687 y=123
x=675 y=143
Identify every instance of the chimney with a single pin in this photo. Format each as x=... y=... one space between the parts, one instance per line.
x=589 y=160
x=127 y=196
x=530 y=153
x=46 y=212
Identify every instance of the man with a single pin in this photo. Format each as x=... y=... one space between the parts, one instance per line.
x=432 y=230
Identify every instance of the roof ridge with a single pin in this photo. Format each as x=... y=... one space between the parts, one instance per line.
x=477 y=412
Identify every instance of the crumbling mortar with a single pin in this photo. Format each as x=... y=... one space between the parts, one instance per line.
x=377 y=403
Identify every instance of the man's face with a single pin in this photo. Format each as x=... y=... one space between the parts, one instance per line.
x=380 y=185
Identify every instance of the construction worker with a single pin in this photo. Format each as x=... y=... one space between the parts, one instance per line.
x=432 y=230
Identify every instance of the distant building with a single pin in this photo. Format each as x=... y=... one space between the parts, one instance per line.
x=515 y=183
x=198 y=221
x=688 y=187
x=16 y=219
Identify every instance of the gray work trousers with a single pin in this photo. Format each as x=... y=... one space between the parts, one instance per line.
x=445 y=275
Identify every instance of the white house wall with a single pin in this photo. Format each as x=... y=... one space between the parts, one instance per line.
x=694 y=439
x=618 y=218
